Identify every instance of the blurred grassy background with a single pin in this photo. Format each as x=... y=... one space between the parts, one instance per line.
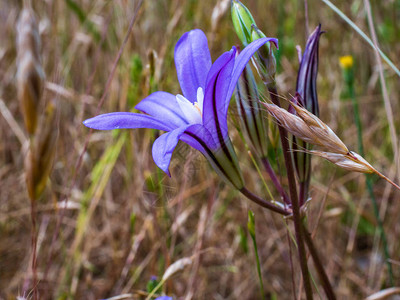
x=125 y=220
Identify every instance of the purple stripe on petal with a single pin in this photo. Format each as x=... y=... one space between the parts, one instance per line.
x=201 y=134
x=162 y=106
x=215 y=94
x=164 y=146
x=119 y=120
x=192 y=60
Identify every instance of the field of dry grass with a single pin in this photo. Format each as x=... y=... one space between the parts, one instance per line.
x=109 y=220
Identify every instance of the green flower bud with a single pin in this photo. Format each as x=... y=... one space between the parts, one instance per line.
x=251 y=224
x=242 y=21
x=264 y=59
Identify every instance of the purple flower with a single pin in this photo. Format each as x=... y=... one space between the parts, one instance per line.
x=199 y=116
x=164 y=298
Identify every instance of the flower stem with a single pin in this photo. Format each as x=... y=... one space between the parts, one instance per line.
x=275 y=180
x=294 y=200
x=249 y=195
x=318 y=265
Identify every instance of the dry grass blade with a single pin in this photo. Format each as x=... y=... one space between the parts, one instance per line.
x=384 y=294
x=176 y=267
x=30 y=75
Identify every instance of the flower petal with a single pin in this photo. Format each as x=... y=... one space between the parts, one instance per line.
x=199 y=138
x=221 y=82
x=240 y=63
x=218 y=81
x=192 y=60
x=164 y=146
x=118 y=120
x=162 y=106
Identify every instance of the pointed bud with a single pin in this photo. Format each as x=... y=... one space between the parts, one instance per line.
x=253 y=123
x=242 y=21
x=251 y=224
x=306 y=96
x=307 y=76
x=264 y=59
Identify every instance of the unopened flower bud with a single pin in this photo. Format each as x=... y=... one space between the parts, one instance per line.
x=253 y=122
x=242 y=21
x=264 y=59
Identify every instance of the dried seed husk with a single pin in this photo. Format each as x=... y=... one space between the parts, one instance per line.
x=292 y=123
x=351 y=162
x=39 y=161
x=324 y=133
x=30 y=75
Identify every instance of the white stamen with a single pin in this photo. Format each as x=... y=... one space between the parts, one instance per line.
x=200 y=98
x=191 y=113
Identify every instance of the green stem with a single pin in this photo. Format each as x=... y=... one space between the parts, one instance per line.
x=251 y=228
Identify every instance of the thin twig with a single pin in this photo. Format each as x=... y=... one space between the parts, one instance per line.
x=275 y=180
x=5 y=112
x=249 y=195
x=318 y=265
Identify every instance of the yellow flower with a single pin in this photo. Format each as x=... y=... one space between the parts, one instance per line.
x=346 y=62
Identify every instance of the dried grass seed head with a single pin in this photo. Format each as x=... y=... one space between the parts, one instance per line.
x=327 y=138
x=30 y=74
x=346 y=162
x=39 y=161
x=292 y=123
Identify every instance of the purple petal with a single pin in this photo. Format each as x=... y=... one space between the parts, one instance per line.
x=199 y=138
x=241 y=62
x=218 y=82
x=164 y=146
x=192 y=60
x=162 y=106
x=221 y=82
x=118 y=120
